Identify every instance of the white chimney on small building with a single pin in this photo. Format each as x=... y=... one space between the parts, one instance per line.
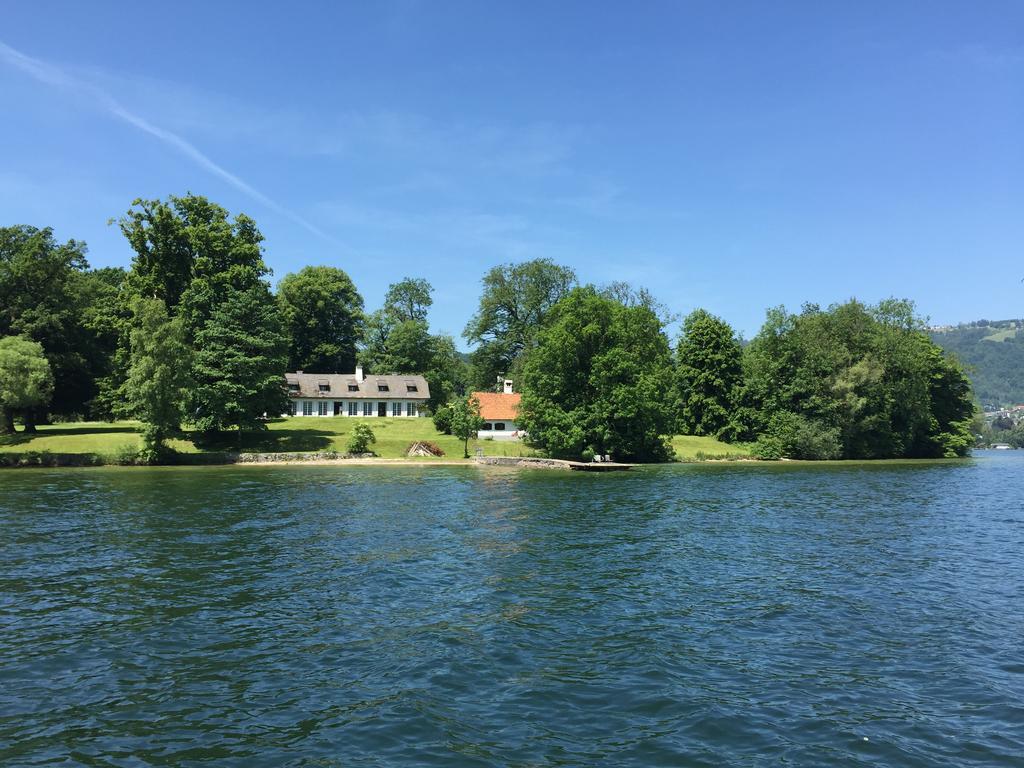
x=508 y=387
x=359 y=374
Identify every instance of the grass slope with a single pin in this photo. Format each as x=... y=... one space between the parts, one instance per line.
x=283 y=436
x=303 y=434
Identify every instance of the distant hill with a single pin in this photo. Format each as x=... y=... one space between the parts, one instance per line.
x=993 y=351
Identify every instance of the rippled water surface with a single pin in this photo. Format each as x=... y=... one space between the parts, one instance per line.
x=692 y=615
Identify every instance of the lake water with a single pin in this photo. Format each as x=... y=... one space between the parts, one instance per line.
x=693 y=615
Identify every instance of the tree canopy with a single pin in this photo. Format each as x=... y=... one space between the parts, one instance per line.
x=409 y=299
x=208 y=270
x=596 y=381
x=513 y=307
x=855 y=381
x=240 y=359
x=709 y=376
x=48 y=294
x=158 y=378
x=323 y=317
x=26 y=380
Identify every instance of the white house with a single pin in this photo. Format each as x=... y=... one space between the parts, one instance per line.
x=355 y=394
x=499 y=411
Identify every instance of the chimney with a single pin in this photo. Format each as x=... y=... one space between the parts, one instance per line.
x=508 y=386
x=359 y=374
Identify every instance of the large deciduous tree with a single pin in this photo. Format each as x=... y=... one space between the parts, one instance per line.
x=46 y=294
x=323 y=317
x=513 y=307
x=709 y=376
x=854 y=381
x=409 y=299
x=26 y=381
x=397 y=339
x=158 y=377
x=395 y=347
x=209 y=271
x=446 y=372
x=598 y=380
x=191 y=254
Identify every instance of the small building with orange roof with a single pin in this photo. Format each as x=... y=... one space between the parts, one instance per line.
x=499 y=411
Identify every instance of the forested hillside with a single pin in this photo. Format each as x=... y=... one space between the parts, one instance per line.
x=993 y=351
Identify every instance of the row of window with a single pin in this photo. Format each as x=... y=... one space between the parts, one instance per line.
x=499 y=426
x=326 y=408
x=325 y=387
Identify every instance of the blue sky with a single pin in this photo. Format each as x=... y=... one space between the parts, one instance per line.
x=727 y=156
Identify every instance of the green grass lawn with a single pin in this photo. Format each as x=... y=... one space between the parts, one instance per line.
x=303 y=434
x=329 y=433
x=691 y=447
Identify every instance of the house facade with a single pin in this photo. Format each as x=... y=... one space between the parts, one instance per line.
x=356 y=394
x=499 y=411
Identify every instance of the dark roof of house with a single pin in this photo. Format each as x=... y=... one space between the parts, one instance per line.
x=399 y=387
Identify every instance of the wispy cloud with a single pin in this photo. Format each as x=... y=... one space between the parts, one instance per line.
x=54 y=76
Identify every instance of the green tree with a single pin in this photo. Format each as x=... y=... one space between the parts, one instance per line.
x=465 y=421
x=514 y=305
x=323 y=316
x=866 y=377
x=209 y=271
x=446 y=371
x=191 y=254
x=709 y=376
x=43 y=297
x=240 y=359
x=397 y=337
x=157 y=380
x=396 y=347
x=409 y=299
x=105 y=316
x=597 y=380
x=26 y=381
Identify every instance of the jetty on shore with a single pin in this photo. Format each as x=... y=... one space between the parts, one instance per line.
x=563 y=464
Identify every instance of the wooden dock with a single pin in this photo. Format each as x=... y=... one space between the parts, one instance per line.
x=536 y=463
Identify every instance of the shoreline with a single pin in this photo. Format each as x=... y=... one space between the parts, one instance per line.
x=81 y=461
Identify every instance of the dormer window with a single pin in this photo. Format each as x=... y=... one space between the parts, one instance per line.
x=353 y=387
x=382 y=386
x=324 y=386
x=411 y=386
x=293 y=386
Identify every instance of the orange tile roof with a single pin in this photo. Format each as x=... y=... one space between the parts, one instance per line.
x=498 y=405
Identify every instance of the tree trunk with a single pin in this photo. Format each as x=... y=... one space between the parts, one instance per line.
x=6 y=421
x=30 y=421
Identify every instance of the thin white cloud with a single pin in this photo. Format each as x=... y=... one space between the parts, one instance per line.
x=54 y=76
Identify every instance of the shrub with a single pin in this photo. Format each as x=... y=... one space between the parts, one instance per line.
x=443 y=419
x=804 y=438
x=361 y=439
x=126 y=455
x=767 y=448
